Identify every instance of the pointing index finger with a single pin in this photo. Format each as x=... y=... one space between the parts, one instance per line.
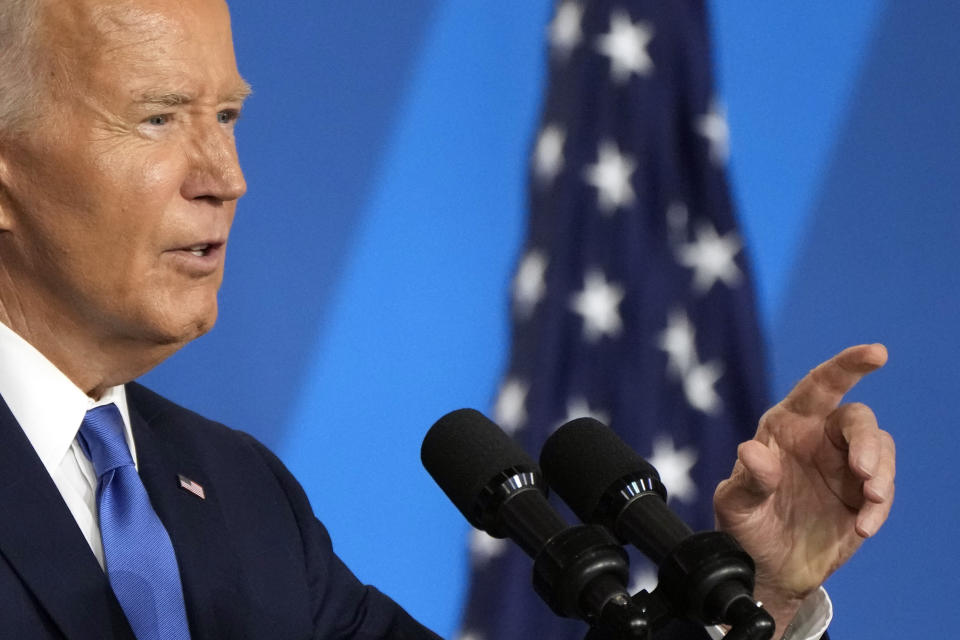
x=821 y=390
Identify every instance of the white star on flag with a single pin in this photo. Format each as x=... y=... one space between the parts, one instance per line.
x=611 y=176
x=713 y=126
x=578 y=407
x=711 y=258
x=698 y=384
x=674 y=468
x=626 y=46
x=564 y=30
x=529 y=285
x=484 y=547
x=678 y=340
x=598 y=303
x=548 y=154
x=510 y=411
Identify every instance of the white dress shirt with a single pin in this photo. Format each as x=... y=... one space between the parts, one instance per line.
x=50 y=408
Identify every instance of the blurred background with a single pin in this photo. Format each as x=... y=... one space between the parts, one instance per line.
x=386 y=149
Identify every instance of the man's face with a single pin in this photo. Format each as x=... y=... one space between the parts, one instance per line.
x=118 y=202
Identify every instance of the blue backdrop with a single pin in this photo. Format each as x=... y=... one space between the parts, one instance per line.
x=369 y=265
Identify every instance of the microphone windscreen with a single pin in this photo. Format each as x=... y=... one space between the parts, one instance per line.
x=464 y=451
x=583 y=459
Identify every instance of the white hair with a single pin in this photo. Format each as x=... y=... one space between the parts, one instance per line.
x=19 y=86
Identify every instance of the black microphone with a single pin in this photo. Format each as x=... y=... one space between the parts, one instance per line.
x=704 y=576
x=580 y=571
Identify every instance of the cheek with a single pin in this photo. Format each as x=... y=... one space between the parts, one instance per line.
x=142 y=167
x=146 y=199
x=162 y=176
x=148 y=177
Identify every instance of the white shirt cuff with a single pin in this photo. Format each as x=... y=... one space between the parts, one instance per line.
x=810 y=623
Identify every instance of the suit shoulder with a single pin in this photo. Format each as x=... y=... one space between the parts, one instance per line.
x=178 y=422
x=228 y=454
x=152 y=406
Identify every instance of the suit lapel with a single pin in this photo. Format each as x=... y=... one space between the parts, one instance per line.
x=209 y=569
x=42 y=542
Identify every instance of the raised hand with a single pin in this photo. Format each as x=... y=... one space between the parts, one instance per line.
x=815 y=481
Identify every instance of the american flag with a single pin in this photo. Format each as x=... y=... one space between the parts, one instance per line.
x=191 y=486
x=632 y=302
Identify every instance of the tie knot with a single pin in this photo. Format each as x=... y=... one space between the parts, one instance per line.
x=102 y=438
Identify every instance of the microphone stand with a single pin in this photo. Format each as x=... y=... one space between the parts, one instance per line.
x=753 y=622
x=707 y=578
x=636 y=619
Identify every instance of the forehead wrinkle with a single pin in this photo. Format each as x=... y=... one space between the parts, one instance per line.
x=94 y=34
x=145 y=36
x=137 y=35
x=127 y=50
x=133 y=23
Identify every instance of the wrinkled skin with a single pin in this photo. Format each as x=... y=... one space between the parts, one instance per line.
x=816 y=480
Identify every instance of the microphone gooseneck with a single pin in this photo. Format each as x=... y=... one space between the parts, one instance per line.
x=704 y=576
x=580 y=571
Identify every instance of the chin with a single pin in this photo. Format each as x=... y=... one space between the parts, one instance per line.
x=198 y=326
x=187 y=323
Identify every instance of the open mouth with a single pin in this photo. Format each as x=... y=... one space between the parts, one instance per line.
x=200 y=259
x=203 y=249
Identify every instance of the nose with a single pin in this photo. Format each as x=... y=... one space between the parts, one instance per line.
x=214 y=171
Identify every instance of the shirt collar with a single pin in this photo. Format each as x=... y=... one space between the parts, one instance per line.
x=46 y=404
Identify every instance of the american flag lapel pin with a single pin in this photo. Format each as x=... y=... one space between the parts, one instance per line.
x=191 y=486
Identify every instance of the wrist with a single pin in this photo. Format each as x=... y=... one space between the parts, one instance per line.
x=809 y=623
x=783 y=607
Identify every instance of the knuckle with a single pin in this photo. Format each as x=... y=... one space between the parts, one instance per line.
x=858 y=412
x=888 y=441
x=765 y=418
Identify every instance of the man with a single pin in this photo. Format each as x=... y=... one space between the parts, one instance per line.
x=118 y=184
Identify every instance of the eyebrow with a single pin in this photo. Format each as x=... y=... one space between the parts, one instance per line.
x=240 y=93
x=171 y=99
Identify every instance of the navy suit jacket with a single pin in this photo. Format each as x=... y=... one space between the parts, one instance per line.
x=254 y=561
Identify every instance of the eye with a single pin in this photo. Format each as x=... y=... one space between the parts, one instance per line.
x=228 y=116
x=158 y=120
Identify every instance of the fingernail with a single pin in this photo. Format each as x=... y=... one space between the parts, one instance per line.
x=865 y=463
x=867 y=526
x=873 y=493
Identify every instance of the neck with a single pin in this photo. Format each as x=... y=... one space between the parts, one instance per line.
x=92 y=365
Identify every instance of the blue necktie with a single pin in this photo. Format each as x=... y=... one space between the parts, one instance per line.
x=140 y=561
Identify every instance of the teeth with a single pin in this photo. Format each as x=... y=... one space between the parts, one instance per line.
x=199 y=249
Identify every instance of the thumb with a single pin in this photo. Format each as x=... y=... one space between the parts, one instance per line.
x=756 y=475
